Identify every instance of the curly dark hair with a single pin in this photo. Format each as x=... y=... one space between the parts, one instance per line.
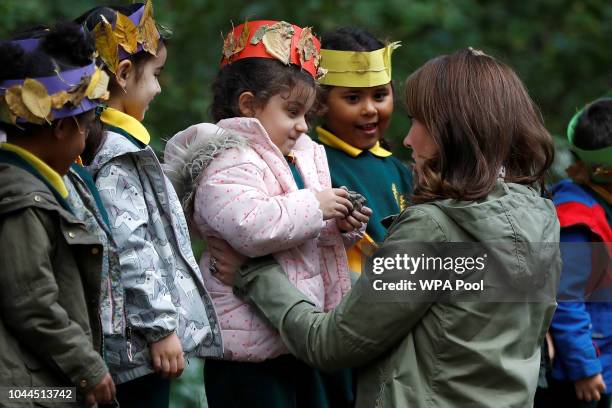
x=263 y=77
x=62 y=47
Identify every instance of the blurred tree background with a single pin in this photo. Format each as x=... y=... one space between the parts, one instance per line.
x=560 y=48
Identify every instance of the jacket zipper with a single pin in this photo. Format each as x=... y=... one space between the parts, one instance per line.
x=129 y=343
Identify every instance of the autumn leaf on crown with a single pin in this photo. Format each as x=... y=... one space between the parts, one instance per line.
x=92 y=87
x=259 y=34
x=59 y=99
x=228 y=44
x=106 y=44
x=6 y=115
x=244 y=37
x=231 y=46
x=307 y=48
x=277 y=40
x=35 y=97
x=77 y=92
x=147 y=31
x=98 y=86
x=126 y=33
x=18 y=108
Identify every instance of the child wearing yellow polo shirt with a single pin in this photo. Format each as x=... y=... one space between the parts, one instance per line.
x=358 y=96
x=50 y=330
x=170 y=316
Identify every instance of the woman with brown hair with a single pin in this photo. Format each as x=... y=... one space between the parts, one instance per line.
x=481 y=152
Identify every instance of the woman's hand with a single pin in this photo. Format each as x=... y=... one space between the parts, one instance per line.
x=590 y=388
x=224 y=260
x=103 y=393
x=354 y=220
x=167 y=356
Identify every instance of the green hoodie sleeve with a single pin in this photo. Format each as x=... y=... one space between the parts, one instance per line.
x=30 y=301
x=358 y=329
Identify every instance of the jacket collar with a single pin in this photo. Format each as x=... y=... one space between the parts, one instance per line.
x=329 y=139
x=50 y=175
x=256 y=134
x=85 y=177
x=124 y=123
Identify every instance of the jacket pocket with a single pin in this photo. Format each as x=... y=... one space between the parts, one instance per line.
x=33 y=370
x=42 y=374
x=32 y=363
x=13 y=370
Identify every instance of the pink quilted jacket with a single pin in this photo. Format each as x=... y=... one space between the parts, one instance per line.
x=248 y=197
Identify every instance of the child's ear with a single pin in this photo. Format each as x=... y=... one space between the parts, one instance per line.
x=246 y=104
x=123 y=72
x=63 y=128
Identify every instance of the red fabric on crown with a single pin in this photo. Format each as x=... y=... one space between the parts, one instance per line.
x=259 y=50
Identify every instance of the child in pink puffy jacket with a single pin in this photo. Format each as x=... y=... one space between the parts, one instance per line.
x=257 y=181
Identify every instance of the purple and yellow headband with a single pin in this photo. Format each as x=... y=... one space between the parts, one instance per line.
x=129 y=35
x=44 y=99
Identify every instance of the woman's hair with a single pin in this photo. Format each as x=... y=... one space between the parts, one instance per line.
x=481 y=119
x=90 y=20
x=65 y=46
x=264 y=77
x=593 y=130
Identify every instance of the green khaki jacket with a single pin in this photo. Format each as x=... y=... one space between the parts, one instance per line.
x=50 y=267
x=427 y=353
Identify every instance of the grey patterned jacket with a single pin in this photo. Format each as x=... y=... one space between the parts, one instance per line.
x=164 y=291
x=84 y=207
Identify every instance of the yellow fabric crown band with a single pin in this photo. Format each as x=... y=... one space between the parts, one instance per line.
x=357 y=69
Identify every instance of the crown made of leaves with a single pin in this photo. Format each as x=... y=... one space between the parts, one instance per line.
x=130 y=35
x=279 y=40
x=44 y=99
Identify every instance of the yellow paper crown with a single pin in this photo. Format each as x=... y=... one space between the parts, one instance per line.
x=357 y=69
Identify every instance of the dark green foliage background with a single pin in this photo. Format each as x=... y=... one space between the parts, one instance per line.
x=562 y=49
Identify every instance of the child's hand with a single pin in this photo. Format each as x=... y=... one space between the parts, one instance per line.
x=551 y=346
x=103 y=393
x=355 y=220
x=167 y=356
x=224 y=260
x=334 y=203
x=590 y=388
